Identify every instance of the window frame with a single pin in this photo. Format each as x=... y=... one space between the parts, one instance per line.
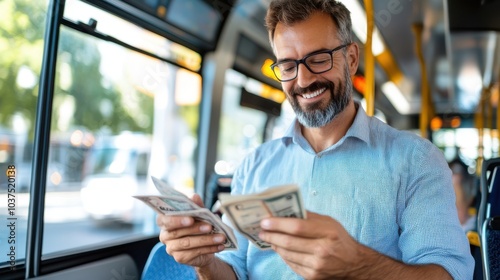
x=35 y=263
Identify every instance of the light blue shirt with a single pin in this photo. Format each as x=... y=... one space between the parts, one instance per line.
x=390 y=189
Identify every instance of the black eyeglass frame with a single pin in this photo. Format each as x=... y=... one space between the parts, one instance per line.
x=303 y=61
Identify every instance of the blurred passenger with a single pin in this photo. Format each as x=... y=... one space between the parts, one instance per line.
x=465 y=191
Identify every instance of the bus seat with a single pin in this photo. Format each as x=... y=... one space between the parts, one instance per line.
x=162 y=266
x=215 y=185
x=491 y=252
x=117 y=267
x=489 y=218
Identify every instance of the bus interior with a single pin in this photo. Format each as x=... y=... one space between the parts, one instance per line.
x=97 y=96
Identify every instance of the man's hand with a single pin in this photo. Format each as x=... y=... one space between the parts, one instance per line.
x=190 y=241
x=316 y=248
x=320 y=248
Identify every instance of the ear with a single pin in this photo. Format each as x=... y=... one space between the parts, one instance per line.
x=353 y=58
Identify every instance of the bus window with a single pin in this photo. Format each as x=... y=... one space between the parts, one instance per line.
x=123 y=106
x=21 y=44
x=118 y=118
x=463 y=142
x=241 y=129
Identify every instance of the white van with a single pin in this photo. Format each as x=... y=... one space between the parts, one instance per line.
x=116 y=169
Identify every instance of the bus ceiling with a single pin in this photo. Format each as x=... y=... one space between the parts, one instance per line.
x=196 y=24
x=453 y=43
x=459 y=47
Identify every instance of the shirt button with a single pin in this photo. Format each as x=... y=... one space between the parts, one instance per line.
x=314 y=193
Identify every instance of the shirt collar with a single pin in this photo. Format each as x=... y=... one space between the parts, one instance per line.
x=359 y=128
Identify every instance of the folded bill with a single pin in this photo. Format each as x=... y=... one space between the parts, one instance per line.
x=174 y=203
x=246 y=211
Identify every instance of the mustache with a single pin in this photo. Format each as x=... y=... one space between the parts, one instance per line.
x=311 y=88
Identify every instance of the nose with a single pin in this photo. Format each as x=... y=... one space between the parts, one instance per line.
x=304 y=76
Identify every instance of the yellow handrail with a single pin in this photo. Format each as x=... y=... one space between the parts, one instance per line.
x=427 y=109
x=496 y=88
x=369 y=60
x=479 y=123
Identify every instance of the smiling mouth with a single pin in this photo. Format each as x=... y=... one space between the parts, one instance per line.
x=313 y=94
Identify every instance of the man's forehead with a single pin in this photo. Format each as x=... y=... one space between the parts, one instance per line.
x=316 y=32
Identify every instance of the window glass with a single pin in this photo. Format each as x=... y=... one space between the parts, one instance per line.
x=284 y=121
x=119 y=117
x=131 y=34
x=241 y=128
x=21 y=45
x=464 y=143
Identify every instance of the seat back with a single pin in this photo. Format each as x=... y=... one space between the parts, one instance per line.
x=216 y=184
x=117 y=267
x=162 y=266
x=491 y=249
x=488 y=217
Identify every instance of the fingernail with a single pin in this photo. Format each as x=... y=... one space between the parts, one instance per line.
x=205 y=228
x=262 y=235
x=265 y=224
x=186 y=221
x=221 y=247
x=218 y=239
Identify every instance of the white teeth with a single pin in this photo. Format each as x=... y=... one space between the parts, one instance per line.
x=314 y=94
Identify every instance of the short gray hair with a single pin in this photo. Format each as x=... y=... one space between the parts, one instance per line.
x=289 y=12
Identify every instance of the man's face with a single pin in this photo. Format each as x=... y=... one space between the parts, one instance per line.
x=316 y=98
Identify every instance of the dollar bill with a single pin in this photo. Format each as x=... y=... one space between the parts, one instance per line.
x=167 y=190
x=174 y=203
x=246 y=211
x=168 y=204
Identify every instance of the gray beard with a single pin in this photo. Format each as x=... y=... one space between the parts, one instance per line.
x=319 y=117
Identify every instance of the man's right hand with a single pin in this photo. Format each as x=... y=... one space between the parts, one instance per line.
x=188 y=241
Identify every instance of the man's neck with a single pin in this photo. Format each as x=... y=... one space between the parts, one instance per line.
x=321 y=138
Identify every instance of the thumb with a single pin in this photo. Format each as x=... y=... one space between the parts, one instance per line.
x=197 y=199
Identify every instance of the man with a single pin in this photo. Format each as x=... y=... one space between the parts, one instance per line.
x=381 y=201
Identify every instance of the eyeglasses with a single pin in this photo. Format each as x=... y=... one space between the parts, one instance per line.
x=317 y=63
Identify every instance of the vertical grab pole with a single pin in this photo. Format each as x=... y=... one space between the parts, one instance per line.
x=426 y=110
x=497 y=124
x=489 y=114
x=42 y=139
x=369 y=60
x=479 y=122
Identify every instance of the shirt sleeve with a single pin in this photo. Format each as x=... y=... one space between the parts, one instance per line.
x=430 y=229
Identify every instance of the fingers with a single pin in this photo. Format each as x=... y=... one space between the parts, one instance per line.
x=197 y=199
x=198 y=228
x=189 y=241
x=196 y=256
x=196 y=242
x=173 y=227
x=183 y=233
x=174 y=222
x=300 y=263
x=195 y=250
x=290 y=242
x=292 y=257
x=312 y=227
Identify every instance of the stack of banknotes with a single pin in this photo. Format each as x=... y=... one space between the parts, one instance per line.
x=244 y=211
